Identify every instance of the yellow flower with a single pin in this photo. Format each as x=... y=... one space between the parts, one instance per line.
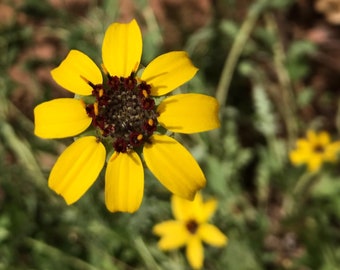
x=124 y=112
x=190 y=228
x=313 y=151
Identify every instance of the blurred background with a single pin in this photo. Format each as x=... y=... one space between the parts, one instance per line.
x=273 y=66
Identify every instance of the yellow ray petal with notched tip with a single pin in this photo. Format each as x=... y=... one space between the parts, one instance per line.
x=331 y=151
x=212 y=235
x=189 y=113
x=204 y=211
x=303 y=144
x=77 y=168
x=124 y=182
x=174 y=234
x=75 y=71
x=298 y=157
x=181 y=208
x=60 y=118
x=193 y=210
x=195 y=252
x=174 y=166
x=324 y=138
x=168 y=71
x=312 y=137
x=122 y=48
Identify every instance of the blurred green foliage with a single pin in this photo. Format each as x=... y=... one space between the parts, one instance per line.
x=271 y=224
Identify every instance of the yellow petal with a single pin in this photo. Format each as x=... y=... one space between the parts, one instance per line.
x=312 y=137
x=314 y=162
x=206 y=210
x=302 y=153
x=192 y=210
x=60 y=118
x=212 y=235
x=200 y=211
x=323 y=138
x=296 y=158
x=174 y=166
x=304 y=145
x=77 y=168
x=331 y=152
x=168 y=71
x=168 y=227
x=181 y=208
x=124 y=182
x=195 y=253
x=173 y=234
x=122 y=48
x=189 y=113
x=75 y=72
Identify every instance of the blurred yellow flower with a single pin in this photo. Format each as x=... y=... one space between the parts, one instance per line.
x=122 y=112
x=314 y=150
x=190 y=228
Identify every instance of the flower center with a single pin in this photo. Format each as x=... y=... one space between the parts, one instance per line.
x=319 y=148
x=123 y=111
x=192 y=226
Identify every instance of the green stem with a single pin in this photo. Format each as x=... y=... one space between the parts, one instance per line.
x=236 y=50
x=304 y=184
x=288 y=106
x=23 y=152
x=56 y=253
x=294 y=203
x=145 y=254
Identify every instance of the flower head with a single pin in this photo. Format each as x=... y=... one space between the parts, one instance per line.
x=190 y=228
x=314 y=150
x=122 y=112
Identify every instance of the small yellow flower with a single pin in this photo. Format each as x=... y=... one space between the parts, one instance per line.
x=313 y=151
x=124 y=113
x=190 y=228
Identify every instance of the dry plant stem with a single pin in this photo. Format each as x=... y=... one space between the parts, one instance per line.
x=236 y=50
x=288 y=106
